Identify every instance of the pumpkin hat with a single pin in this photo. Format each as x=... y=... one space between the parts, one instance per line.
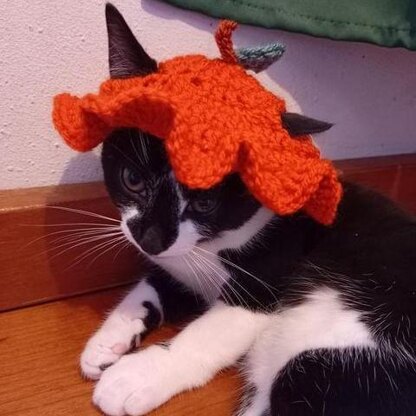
x=214 y=118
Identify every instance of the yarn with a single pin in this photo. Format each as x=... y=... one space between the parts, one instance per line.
x=259 y=58
x=224 y=42
x=215 y=119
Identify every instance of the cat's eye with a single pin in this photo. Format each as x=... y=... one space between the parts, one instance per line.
x=133 y=181
x=203 y=205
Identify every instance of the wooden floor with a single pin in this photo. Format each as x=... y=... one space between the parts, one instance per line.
x=39 y=374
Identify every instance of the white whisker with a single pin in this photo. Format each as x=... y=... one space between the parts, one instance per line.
x=85 y=240
x=203 y=267
x=203 y=291
x=97 y=224
x=75 y=232
x=64 y=244
x=124 y=246
x=127 y=157
x=269 y=288
x=133 y=145
x=143 y=144
x=92 y=250
x=83 y=212
x=81 y=234
x=117 y=242
x=233 y=289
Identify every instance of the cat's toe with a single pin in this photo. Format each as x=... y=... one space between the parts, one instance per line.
x=135 y=385
x=107 y=346
x=95 y=359
x=138 y=404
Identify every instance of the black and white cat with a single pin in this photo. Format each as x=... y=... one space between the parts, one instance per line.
x=323 y=319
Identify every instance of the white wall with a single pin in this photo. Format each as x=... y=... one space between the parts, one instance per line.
x=49 y=46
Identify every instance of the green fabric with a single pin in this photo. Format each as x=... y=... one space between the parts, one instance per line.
x=384 y=22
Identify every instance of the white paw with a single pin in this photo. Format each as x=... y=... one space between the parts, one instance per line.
x=137 y=384
x=108 y=344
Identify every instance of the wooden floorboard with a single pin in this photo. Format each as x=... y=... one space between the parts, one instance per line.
x=39 y=375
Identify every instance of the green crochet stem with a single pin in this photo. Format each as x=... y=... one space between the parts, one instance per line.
x=259 y=58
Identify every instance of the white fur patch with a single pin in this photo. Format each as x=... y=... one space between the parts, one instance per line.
x=320 y=322
x=126 y=215
x=236 y=239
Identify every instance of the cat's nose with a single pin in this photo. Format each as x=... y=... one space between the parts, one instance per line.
x=151 y=240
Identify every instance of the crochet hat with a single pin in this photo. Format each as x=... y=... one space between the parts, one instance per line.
x=214 y=119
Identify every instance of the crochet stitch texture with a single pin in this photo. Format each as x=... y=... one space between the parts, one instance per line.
x=214 y=119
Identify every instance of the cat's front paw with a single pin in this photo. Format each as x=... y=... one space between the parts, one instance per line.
x=116 y=337
x=135 y=385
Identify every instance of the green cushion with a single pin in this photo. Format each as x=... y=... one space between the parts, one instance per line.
x=384 y=22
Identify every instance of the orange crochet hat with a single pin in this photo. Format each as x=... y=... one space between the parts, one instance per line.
x=215 y=119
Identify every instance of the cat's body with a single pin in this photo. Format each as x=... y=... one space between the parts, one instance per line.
x=324 y=318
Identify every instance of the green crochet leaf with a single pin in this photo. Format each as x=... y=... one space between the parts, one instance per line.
x=259 y=58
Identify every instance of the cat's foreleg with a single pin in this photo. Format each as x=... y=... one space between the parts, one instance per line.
x=158 y=298
x=143 y=381
x=140 y=311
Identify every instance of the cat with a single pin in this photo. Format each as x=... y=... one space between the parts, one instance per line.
x=321 y=319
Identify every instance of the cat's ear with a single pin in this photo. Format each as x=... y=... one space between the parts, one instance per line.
x=126 y=56
x=299 y=125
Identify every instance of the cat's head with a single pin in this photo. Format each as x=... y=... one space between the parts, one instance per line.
x=159 y=215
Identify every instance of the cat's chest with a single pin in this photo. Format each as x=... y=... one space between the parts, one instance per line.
x=202 y=274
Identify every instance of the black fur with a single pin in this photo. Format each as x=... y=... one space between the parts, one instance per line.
x=369 y=250
x=153 y=318
x=344 y=383
x=179 y=304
